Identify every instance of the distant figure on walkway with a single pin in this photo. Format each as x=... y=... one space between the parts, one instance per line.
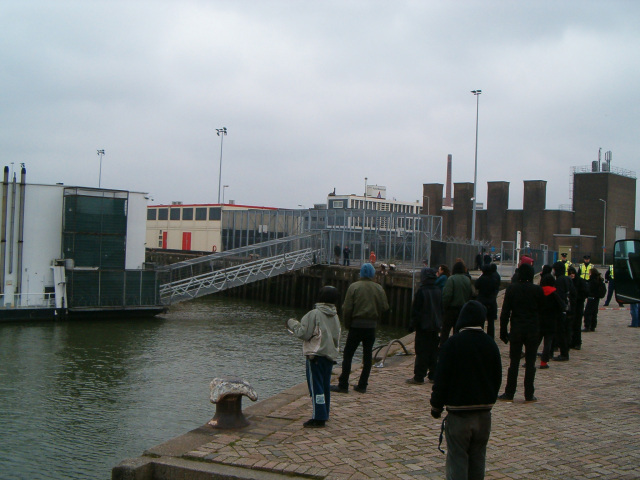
x=486 y=259
x=609 y=278
x=597 y=290
x=320 y=330
x=364 y=305
x=521 y=308
x=488 y=287
x=566 y=262
x=443 y=273
x=584 y=270
x=467 y=382
x=426 y=321
x=457 y=292
x=372 y=257
x=568 y=295
x=479 y=261
x=582 y=292
x=346 y=252
x=336 y=253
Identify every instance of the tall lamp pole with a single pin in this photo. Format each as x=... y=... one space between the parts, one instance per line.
x=604 y=232
x=100 y=154
x=364 y=216
x=221 y=132
x=475 y=170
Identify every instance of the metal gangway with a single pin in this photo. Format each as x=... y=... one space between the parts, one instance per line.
x=219 y=271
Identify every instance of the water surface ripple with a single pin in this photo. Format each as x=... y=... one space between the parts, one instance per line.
x=76 y=398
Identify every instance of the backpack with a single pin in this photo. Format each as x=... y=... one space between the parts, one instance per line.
x=602 y=290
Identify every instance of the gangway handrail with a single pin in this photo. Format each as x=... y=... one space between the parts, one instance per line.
x=237 y=251
x=217 y=280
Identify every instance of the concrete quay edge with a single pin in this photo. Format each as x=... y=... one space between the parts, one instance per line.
x=585 y=425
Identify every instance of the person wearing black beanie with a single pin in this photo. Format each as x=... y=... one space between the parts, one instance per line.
x=521 y=308
x=467 y=382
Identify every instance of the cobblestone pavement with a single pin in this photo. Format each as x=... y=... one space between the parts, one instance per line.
x=585 y=425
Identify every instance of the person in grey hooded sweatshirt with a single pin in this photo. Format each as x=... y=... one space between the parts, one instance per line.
x=320 y=330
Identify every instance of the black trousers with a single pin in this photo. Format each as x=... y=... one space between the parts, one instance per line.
x=449 y=320
x=591 y=313
x=356 y=335
x=426 y=346
x=530 y=342
x=576 y=324
x=563 y=335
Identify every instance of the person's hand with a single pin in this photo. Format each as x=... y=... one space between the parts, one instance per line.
x=436 y=412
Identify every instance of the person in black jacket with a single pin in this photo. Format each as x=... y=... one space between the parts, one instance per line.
x=488 y=286
x=551 y=313
x=568 y=294
x=597 y=290
x=582 y=292
x=426 y=320
x=521 y=308
x=467 y=382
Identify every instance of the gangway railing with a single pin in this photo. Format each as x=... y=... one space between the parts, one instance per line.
x=213 y=273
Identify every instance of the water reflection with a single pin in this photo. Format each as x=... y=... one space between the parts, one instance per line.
x=78 y=397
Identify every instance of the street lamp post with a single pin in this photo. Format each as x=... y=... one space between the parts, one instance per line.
x=100 y=154
x=364 y=217
x=604 y=232
x=475 y=170
x=221 y=132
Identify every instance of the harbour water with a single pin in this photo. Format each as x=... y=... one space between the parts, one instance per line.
x=76 y=398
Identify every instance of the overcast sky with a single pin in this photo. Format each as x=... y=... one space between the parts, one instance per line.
x=316 y=95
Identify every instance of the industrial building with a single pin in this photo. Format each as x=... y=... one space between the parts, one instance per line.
x=603 y=211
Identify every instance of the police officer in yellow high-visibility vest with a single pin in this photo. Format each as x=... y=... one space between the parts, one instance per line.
x=567 y=263
x=608 y=277
x=585 y=268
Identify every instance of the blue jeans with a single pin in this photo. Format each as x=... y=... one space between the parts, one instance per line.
x=635 y=311
x=467 y=436
x=319 y=383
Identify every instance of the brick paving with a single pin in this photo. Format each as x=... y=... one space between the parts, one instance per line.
x=585 y=425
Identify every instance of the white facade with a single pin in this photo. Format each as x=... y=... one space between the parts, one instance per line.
x=373 y=203
x=136 y=230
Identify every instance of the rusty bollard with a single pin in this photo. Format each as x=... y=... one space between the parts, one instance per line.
x=226 y=394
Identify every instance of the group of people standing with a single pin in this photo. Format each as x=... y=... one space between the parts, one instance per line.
x=466 y=368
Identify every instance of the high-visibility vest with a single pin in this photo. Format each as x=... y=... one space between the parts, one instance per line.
x=611 y=272
x=567 y=264
x=585 y=271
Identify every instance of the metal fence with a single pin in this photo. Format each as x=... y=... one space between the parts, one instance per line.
x=399 y=238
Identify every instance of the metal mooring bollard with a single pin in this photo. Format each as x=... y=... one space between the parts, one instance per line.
x=226 y=394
